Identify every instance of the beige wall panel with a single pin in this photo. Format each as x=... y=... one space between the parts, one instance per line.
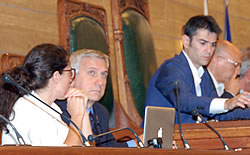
x=166 y=48
x=239 y=8
x=26 y=23
x=22 y=29
x=240 y=32
x=22 y=41
x=213 y=5
x=174 y=15
x=157 y=10
x=45 y=6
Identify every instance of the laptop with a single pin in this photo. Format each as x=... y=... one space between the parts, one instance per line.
x=159 y=120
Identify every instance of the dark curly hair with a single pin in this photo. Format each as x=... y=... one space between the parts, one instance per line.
x=38 y=67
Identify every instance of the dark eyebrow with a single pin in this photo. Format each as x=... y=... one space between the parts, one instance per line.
x=208 y=42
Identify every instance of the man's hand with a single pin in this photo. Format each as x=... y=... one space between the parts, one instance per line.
x=233 y=85
x=241 y=100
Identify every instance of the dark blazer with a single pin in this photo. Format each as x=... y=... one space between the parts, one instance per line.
x=161 y=92
x=225 y=94
x=235 y=114
x=101 y=122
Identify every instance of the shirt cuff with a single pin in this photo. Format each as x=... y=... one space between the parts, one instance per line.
x=131 y=143
x=217 y=106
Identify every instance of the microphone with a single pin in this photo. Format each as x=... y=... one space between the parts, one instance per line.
x=7 y=79
x=18 y=136
x=91 y=138
x=177 y=93
x=195 y=112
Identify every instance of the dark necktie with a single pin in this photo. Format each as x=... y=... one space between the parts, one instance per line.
x=93 y=123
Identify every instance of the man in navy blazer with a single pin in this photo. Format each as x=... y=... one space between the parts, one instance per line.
x=101 y=124
x=224 y=69
x=196 y=89
x=91 y=77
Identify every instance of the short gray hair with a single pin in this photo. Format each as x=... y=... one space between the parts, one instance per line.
x=245 y=61
x=76 y=57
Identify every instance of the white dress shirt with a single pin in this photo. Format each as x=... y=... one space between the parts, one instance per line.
x=218 y=86
x=197 y=74
x=217 y=104
x=37 y=123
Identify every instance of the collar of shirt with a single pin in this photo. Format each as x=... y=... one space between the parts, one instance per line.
x=218 y=86
x=90 y=110
x=197 y=74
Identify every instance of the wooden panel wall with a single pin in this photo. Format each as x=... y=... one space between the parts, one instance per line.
x=26 y=23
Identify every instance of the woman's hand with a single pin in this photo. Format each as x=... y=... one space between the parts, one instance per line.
x=76 y=106
x=76 y=102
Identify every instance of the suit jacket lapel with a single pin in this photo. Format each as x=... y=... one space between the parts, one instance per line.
x=183 y=60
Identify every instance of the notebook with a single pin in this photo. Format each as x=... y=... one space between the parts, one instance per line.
x=159 y=119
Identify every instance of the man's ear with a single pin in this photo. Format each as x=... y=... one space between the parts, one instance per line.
x=72 y=84
x=186 y=41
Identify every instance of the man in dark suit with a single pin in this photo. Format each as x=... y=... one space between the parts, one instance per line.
x=91 y=77
x=224 y=70
x=196 y=88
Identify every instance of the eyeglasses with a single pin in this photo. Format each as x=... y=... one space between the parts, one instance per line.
x=73 y=72
x=236 y=64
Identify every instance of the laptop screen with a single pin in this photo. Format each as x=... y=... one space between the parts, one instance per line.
x=159 y=120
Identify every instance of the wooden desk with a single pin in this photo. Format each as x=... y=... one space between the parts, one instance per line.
x=24 y=150
x=202 y=140
x=235 y=133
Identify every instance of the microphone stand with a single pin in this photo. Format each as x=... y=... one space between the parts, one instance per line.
x=196 y=113
x=177 y=89
x=91 y=138
x=15 y=130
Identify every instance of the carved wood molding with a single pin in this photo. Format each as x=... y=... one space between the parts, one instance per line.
x=9 y=61
x=69 y=9
x=139 y=5
x=126 y=112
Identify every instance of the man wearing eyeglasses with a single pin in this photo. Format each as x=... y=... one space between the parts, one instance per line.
x=196 y=89
x=224 y=69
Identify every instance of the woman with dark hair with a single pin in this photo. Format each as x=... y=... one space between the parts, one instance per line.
x=47 y=74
